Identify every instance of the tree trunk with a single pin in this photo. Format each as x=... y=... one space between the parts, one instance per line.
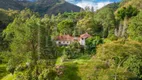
x=125 y=26
x=122 y=29
x=118 y=30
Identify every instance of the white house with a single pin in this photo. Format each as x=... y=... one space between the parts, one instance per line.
x=65 y=40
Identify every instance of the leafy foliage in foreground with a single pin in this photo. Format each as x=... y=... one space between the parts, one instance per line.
x=114 y=60
x=116 y=55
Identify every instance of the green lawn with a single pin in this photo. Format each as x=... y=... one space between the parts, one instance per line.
x=77 y=69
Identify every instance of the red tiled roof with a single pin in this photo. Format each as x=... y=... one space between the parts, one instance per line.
x=85 y=35
x=70 y=38
x=65 y=38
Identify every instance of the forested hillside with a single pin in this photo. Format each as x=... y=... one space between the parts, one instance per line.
x=112 y=37
x=40 y=6
x=135 y=3
x=10 y=4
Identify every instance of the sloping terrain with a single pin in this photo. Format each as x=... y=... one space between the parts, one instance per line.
x=135 y=3
x=41 y=6
x=64 y=7
x=10 y=4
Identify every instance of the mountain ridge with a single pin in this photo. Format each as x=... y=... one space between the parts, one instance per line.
x=40 y=6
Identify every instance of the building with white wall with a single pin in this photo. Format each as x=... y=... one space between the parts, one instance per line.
x=64 y=40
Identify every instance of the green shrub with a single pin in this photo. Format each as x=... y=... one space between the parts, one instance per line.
x=117 y=55
x=70 y=72
x=91 y=44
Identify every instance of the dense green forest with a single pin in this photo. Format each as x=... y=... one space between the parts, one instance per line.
x=28 y=49
x=40 y=6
